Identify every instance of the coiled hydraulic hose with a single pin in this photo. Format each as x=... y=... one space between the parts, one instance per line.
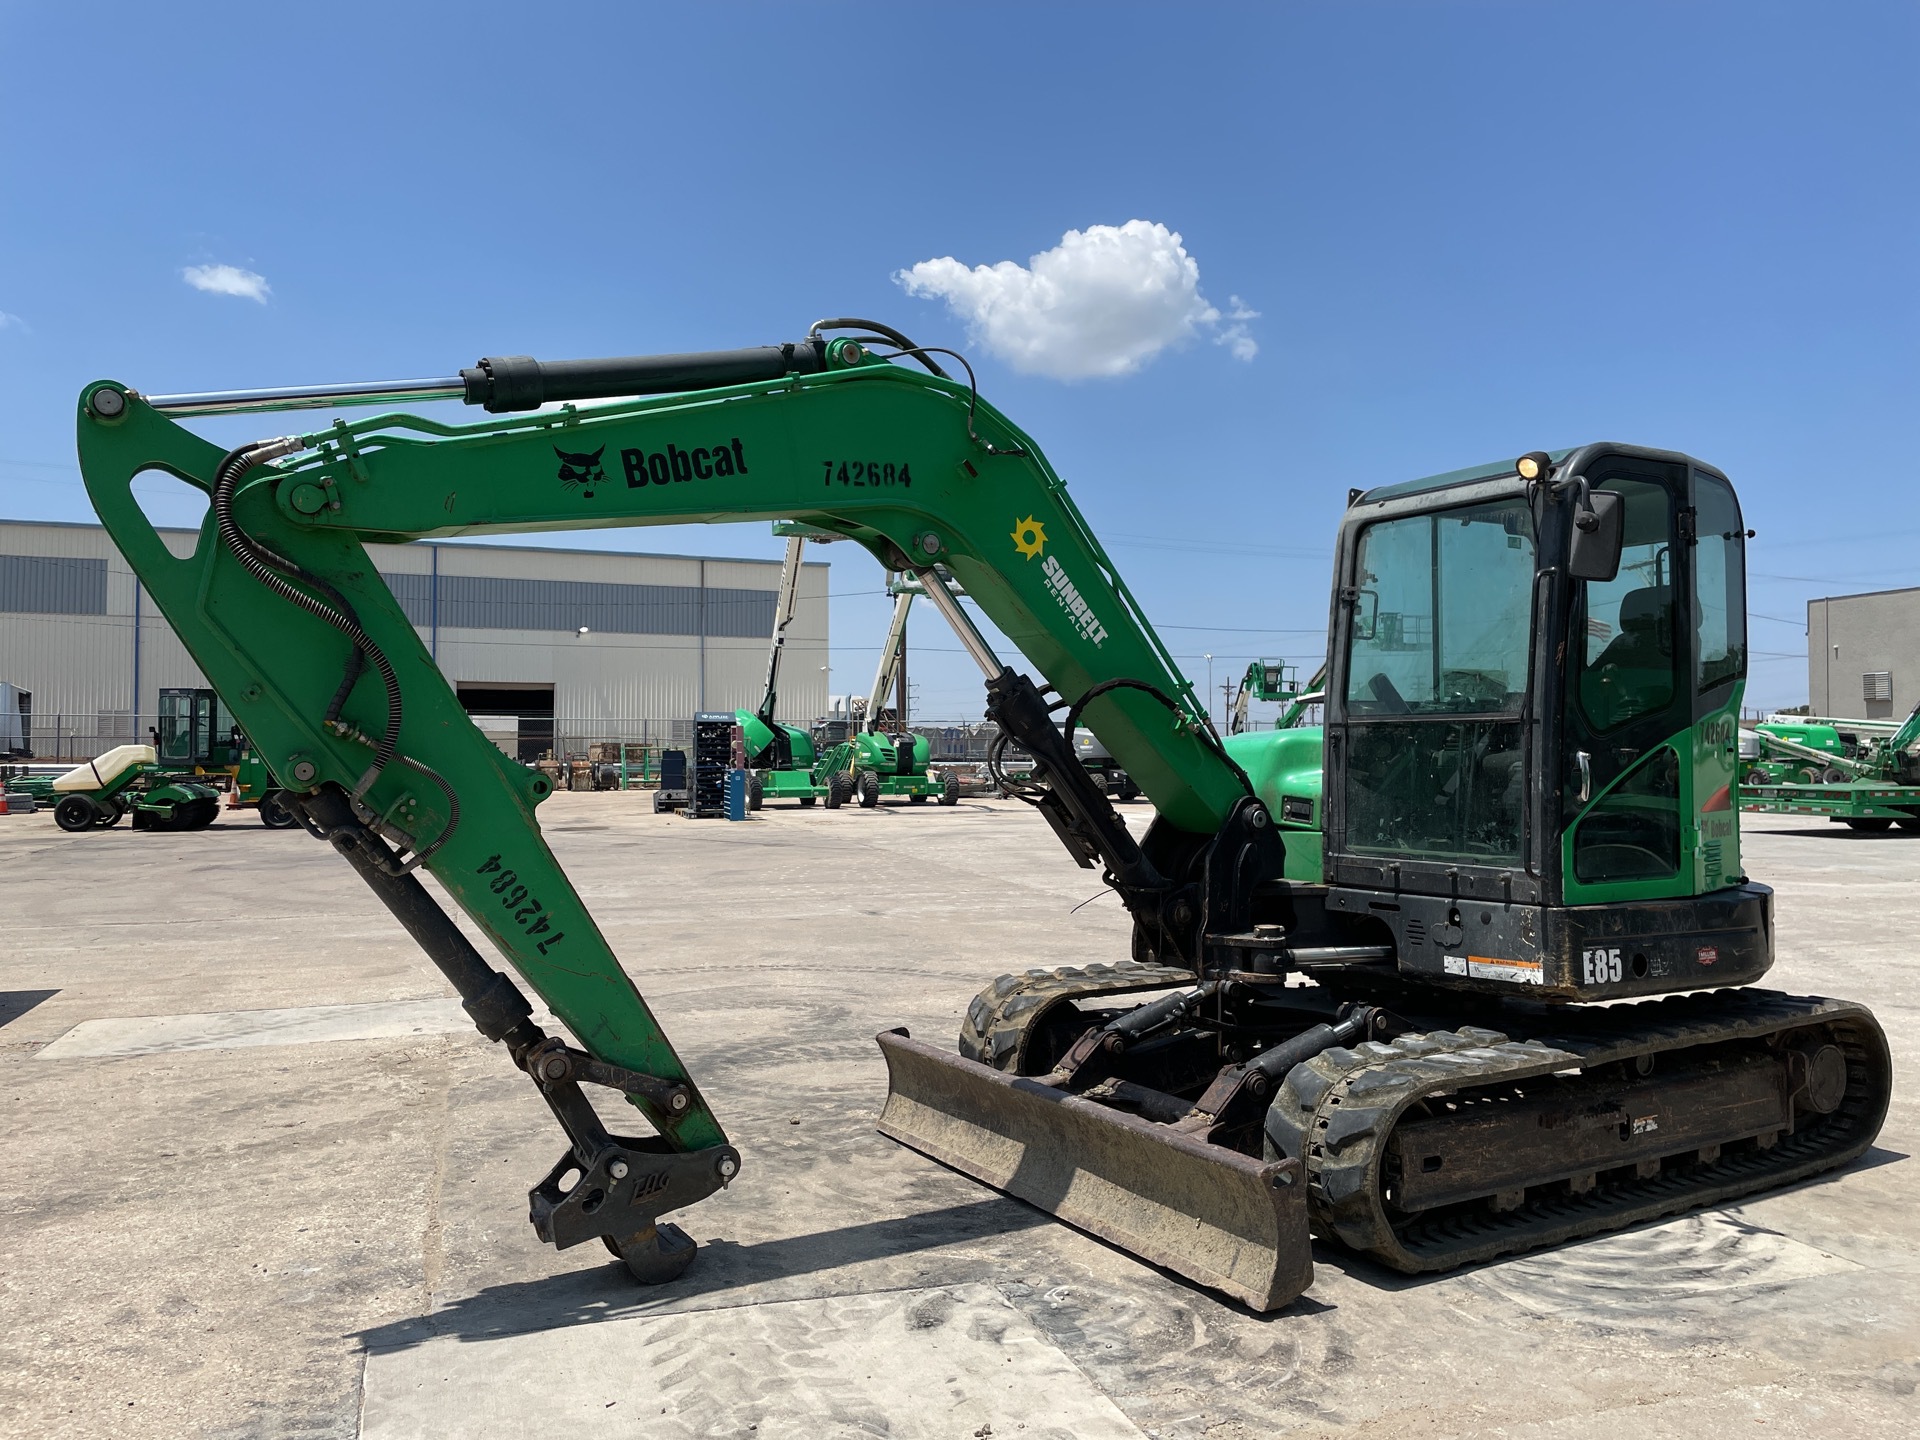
x=267 y=567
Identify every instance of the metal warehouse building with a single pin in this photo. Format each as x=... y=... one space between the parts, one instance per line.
x=1863 y=655
x=573 y=645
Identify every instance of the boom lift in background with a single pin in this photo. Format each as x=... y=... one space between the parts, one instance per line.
x=872 y=763
x=781 y=757
x=1349 y=1034
x=875 y=762
x=1275 y=680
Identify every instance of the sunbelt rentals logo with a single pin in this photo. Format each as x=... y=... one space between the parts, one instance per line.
x=1030 y=539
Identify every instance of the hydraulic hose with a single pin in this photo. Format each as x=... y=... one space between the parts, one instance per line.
x=1211 y=736
x=260 y=563
x=885 y=332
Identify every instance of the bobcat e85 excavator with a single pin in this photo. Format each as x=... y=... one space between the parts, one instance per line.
x=1370 y=973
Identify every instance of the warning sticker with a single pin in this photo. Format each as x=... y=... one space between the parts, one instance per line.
x=1482 y=967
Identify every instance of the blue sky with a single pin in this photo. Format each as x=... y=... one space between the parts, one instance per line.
x=1469 y=230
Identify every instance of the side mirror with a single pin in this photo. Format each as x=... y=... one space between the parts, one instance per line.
x=1366 y=614
x=1597 y=537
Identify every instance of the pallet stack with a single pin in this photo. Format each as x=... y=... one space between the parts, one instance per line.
x=713 y=744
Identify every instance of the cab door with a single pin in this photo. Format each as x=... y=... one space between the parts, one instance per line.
x=202 y=727
x=1717 y=558
x=1626 y=786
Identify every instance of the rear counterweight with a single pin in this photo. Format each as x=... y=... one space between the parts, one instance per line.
x=1576 y=952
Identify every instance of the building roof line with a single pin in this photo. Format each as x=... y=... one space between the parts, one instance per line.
x=1865 y=594
x=458 y=545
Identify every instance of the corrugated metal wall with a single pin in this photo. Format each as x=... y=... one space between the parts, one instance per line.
x=643 y=657
x=494 y=602
x=52 y=585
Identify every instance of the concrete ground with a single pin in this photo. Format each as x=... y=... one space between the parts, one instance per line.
x=309 y=1219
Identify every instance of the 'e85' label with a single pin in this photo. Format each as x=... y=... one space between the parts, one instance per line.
x=1600 y=965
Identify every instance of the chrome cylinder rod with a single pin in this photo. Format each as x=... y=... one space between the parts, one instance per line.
x=308 y=397
x=948 y=604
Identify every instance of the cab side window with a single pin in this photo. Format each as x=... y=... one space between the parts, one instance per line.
x=1719 y=566
x=1627 y=665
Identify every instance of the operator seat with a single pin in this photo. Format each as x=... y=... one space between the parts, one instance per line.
x=1634 y=674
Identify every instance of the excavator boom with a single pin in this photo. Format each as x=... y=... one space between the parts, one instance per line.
x=283 y=609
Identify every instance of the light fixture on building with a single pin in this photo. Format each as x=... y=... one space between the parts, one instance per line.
x=581 y=631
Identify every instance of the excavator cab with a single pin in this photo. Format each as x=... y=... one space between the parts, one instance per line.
x=1516 y=756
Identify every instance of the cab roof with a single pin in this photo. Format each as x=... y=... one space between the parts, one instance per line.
x=1452 y=477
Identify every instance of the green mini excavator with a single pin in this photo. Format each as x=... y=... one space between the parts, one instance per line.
x=1359 y=1001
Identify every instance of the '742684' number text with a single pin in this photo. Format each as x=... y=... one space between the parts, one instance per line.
x=862 y=474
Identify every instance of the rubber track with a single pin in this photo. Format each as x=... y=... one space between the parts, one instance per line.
x=1338 y=1111
x=1001 y=1015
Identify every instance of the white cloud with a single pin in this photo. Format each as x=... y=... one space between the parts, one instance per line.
x=227 y=280
x=1102 y=302
x=1237 y=337
x=10 y=321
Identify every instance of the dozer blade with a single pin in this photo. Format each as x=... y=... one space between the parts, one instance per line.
x=1232 y=1223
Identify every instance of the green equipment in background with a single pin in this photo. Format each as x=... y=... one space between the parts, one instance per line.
x=781 y=759
x=197 y=736
x=1275 y=680
x=1841 y=769
x=128 y=780
x=196 y=732
x=874 y=762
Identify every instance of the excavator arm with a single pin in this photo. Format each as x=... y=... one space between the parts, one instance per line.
x=283 y=608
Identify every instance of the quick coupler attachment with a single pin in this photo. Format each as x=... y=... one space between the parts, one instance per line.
x=619 y=1198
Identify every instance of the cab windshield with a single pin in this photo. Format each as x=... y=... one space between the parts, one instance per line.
x=1436 y=677
x=1441 y=623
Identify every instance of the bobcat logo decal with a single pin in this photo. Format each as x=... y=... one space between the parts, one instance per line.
x=582 y=470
